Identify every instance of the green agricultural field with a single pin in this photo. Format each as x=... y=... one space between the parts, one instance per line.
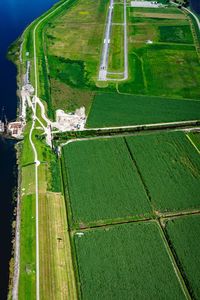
x=103 y=182
x=183 y=234
x=120 y=110
x=178 y=34
x=170 y=168
x=164 y=10
x=125 y=262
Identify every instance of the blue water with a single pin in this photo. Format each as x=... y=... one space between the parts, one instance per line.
x=15 y=15
x=195 y=5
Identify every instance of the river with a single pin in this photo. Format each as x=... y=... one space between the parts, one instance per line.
x=15 y=15
x=195 y=5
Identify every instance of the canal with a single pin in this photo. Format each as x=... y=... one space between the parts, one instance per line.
x=15 y=15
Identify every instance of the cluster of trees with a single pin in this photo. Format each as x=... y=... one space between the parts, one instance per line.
x=182 y=2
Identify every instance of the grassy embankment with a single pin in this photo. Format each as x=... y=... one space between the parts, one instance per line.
x=56 y=270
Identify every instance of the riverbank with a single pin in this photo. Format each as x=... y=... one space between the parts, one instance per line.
x=195 y=6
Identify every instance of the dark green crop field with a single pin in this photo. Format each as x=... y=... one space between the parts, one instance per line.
x=120 y=110
x=103 y=182
x=125 y=262
x=178 y=34
x=170 y=167
x=184 y=236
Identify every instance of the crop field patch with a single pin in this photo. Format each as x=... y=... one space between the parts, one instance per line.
x=103 y=182
x=183 y=234
x=178 y=34
x=125 y=262
x=168 y=10
x=118 y=109
x=170 y=168
x=159 y=15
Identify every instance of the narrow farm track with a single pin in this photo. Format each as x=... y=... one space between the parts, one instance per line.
x=161 y=217
x=113 y=223
x=106 y=46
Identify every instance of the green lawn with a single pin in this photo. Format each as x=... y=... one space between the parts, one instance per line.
x=125 y=262
x=170 y=167
x=119 y=110
x=118 y=14
x=170 y=66
x=184 y=236
x=175 y=73
x=103 y=182
x=116 y=54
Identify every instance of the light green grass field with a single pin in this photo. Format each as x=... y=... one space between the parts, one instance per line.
x=118 y=14
x=75 y=36
x=27 y=278
x=170 y=167
x=116 y=54
x=184 y=236
x=103 y=182
x=120 y=110
x=175 y=73
x=125 y=262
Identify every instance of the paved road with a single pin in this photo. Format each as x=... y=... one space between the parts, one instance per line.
x=105 y=51
x=125 y=43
